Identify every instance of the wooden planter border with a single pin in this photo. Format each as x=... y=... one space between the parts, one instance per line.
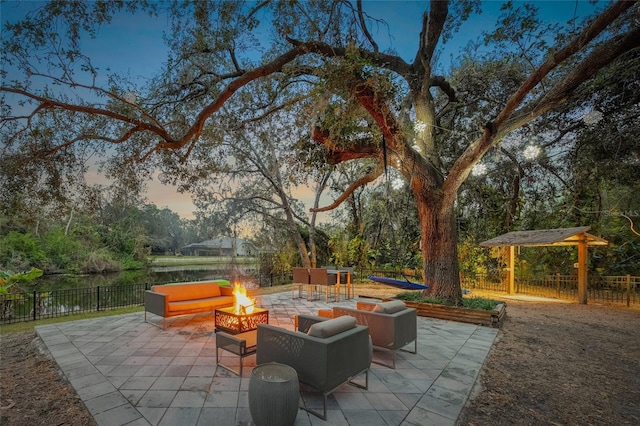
x=454 y=313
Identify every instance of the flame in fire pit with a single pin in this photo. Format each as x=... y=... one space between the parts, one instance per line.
x=243 y=304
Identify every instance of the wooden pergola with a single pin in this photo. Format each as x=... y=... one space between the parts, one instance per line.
x=549 y=237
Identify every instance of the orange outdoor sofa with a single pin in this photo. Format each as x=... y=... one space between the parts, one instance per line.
x=171 y=300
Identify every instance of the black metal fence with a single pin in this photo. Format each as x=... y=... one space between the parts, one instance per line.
x=273 y=279
x=35 y=305
x=624 y=289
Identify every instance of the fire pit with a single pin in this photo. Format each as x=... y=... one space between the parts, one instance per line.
x=241 y=317
x=228 y=320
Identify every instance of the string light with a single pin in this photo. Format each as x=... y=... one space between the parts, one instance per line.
x=531 y=152
x=130 y=97
x=593 y=117
x=397 y=183
x=479 y=170
x=420 y=126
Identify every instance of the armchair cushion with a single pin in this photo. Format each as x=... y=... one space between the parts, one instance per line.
x=332 y=327
x=390 y=307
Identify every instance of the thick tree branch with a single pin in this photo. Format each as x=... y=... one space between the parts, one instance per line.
x=370 y=177
x=123 y=138
x=582 y=72
x=382 y=60
x=586 y=36
x=46 y=103
x=267 y=69
x=167 y=141
x=599 y=58
x=338 y=155
x=443 y=84
x=257 y=8
x=432 y=25
x=100 y=91
x=505 y=121
x=363 y=26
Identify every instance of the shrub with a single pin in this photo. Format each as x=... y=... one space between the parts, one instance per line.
x=467 y=302
x=20 y=251
x=64 y=252
x=100 y=261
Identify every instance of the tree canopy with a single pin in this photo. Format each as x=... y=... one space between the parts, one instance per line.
x=232 y=64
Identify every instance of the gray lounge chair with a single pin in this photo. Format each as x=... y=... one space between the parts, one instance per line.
x=332 y=354
x=392 y=327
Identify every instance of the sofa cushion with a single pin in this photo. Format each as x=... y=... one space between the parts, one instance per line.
x=198 y=304
x=176 y=293
x=332 y=327
x=390 y=307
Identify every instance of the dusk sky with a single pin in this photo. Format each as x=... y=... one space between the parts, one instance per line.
x=134 y=44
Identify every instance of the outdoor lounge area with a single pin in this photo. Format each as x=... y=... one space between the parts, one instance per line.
x=130 y=372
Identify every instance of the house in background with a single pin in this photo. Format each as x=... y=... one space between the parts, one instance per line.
x=225 y=246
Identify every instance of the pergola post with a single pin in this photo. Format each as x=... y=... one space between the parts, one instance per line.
x=511 y=285
x=582 y=270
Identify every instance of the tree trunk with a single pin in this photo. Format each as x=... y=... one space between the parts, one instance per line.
x=312 y=228
x=294 y=232
x=439 y=246
x=514 y=201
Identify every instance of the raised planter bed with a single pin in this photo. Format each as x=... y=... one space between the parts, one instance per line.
x=454 y=313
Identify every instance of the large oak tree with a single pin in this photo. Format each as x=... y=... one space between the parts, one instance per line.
x=319 y=60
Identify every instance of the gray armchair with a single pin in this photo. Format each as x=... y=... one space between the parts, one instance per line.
x=332 y=353
x=392 y=325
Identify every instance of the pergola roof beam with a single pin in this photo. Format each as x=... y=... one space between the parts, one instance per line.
x=546 y=237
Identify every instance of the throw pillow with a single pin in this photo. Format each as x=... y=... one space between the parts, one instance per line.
x=390 y=307
x=332 y=327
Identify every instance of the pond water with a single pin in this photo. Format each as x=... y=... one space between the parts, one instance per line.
x=151 y=276
x=55 y=295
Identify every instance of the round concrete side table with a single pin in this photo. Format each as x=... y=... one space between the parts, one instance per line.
x=274 y=395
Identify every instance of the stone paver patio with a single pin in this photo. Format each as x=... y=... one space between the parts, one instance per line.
x=129 y=372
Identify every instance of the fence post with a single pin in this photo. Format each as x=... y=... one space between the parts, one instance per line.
x=628 y=289
x=35 y=302
x=98 y=296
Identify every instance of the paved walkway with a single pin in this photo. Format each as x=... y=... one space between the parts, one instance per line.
x=128 y=372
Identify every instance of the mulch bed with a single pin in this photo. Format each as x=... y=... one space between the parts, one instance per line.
x=32 y=389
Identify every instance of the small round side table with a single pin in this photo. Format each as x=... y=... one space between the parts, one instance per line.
x=274 y=395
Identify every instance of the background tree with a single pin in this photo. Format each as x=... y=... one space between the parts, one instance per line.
x=257 y=174
x=370 y=104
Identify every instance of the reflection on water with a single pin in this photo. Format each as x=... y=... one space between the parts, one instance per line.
x=151 y=276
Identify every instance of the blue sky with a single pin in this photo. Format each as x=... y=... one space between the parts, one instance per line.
x=134 y=44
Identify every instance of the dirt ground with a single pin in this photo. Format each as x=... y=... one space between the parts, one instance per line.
x=560 y=364
x=553 y=363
